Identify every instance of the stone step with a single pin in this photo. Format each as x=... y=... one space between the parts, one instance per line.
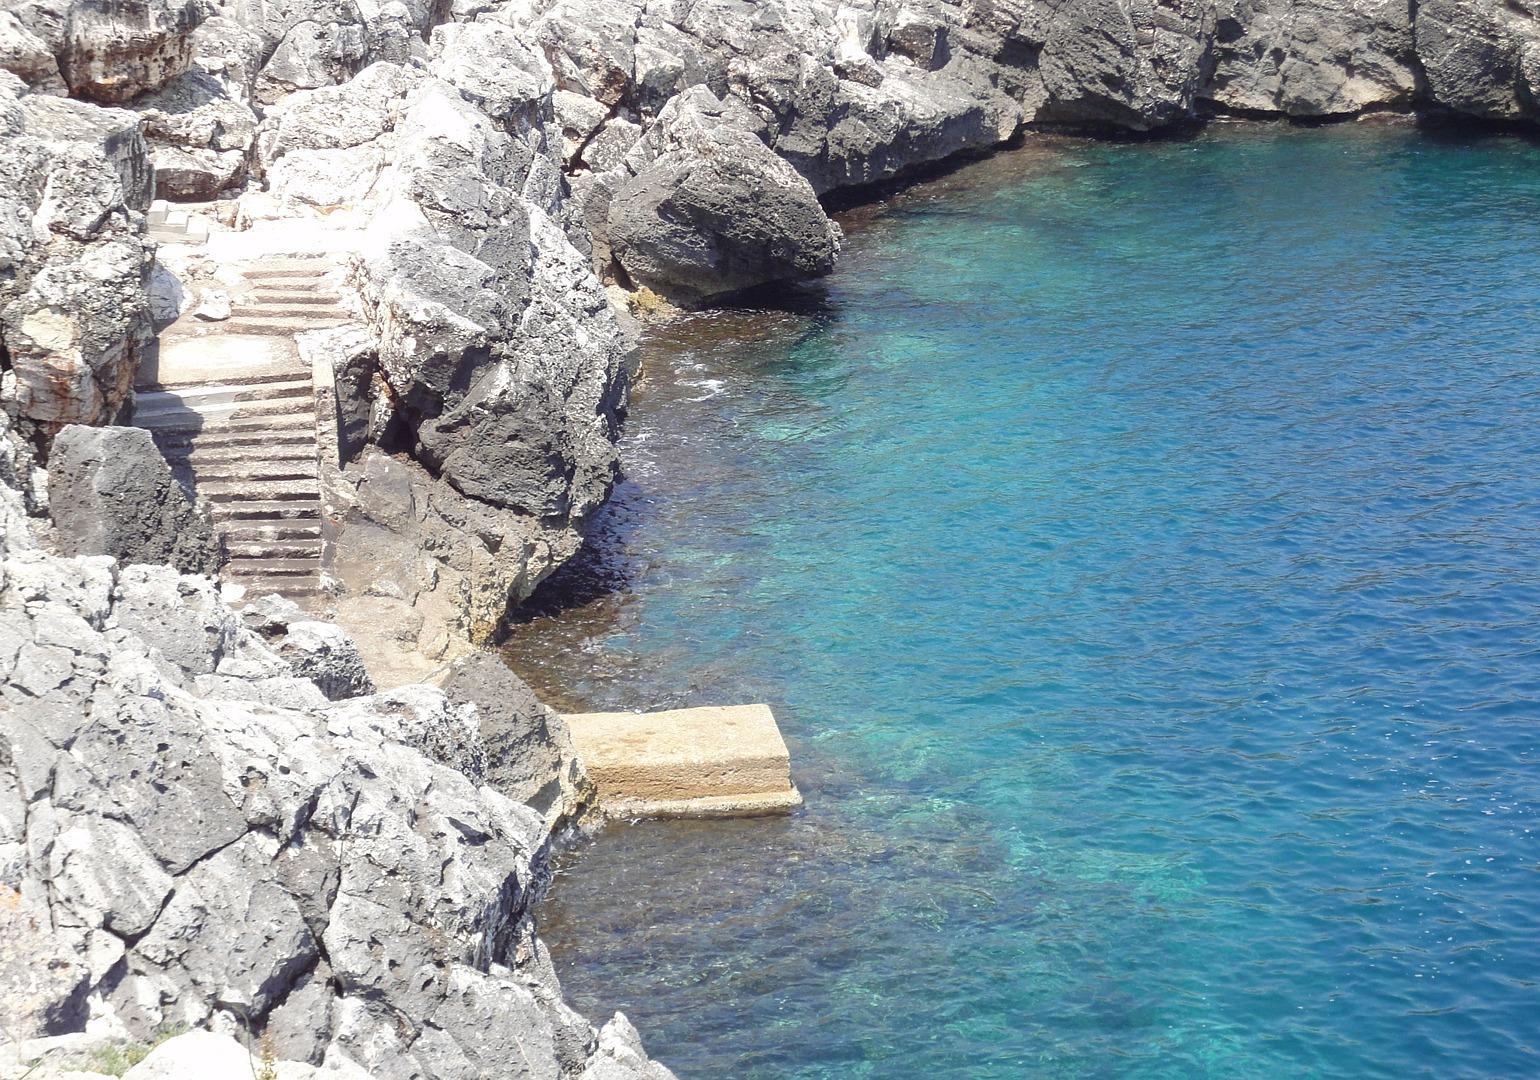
x=282 y=326
x=286 y=568
x=302 y=591
x=242 y=424
x=289 y=454
x=295 y=312
x=238 y=491
x=224 y=416
x=287 y=294
x=266 y=529
x=266 y=511
x=298 y=548
x=253 y=472
x=165 y=234
x=213 y=449
x=266 y=378
x=196 y=397
x=293 y=266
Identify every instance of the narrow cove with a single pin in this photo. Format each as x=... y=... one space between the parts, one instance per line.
x=1137 y=546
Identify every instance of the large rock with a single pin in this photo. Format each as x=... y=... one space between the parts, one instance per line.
x=446 y=567
x=314 y=650
x=1312 y=58
x=113 y=50
x=715 y=210
x=110 y=492
x=28 y=56
x=74 y=264
x=529 y=755
x=1482 y=57
x=199 y=135
x=495 y=360
x=621 y=1056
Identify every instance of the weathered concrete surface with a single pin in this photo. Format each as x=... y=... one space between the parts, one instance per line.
x=717 y=761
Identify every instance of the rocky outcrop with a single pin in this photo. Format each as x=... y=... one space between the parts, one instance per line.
x=74 y=264
x=522 y=737
x=179 y=845
x=1313 y=59
x=317 y=651
x=110 y=492
x=107 y=50
x=1482 y=57
x=495 y=362
x=708 y=208
x=200 y=136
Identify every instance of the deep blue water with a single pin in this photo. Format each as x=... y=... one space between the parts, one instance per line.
x=1140 y=545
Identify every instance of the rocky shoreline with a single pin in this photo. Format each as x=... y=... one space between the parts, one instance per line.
x=210 y=817
x=508 y=184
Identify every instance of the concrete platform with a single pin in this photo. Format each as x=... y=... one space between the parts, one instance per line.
x=719 y=761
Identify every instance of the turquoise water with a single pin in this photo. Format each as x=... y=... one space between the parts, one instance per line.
x=1140 y=545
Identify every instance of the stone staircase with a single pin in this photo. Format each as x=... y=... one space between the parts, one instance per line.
x=244 y=433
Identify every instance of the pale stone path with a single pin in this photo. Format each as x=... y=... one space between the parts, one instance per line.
x=232 y=406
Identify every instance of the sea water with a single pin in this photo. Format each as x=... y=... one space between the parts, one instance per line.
x=1140 y=547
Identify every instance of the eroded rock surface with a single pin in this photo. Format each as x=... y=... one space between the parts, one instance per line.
x=710 y=209
x=74 y=264
x=181 y=846
x=110 y=492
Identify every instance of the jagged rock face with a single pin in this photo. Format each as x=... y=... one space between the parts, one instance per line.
x=199 y=136
x=433 y=565
x=112 y=50
x=1109 y=63
x=110 y=492
x=1482 y=57
x=711 y=209
x=176 y=846
x=74 y=264
x=1313 y=58
x=317 y=651
x=500 y=346
x=521 y=736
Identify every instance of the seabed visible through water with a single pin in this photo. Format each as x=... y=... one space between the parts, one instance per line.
x=1137 y=543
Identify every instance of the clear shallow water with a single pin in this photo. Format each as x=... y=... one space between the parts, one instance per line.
x=1140 y=545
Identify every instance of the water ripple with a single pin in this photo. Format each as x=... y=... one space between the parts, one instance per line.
x=1138 y=543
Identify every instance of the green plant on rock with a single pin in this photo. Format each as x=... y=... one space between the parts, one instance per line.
x=118 y=1058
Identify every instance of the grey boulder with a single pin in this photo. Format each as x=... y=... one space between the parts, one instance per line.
x=716 y=211
x=199 y=136
x=110 y=492
x=74 y=310
x=528 y=752
x=1482 y=57
x=114 y=50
